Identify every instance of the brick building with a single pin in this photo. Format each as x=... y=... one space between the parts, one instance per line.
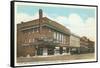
x=86 y=45
x=44 y=37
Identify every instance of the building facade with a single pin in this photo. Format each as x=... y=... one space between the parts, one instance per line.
x=45 y=37
x=86 y=45
x=74 y=43
x=42 y=37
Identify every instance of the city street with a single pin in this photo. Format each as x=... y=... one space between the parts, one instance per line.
x=55 y=58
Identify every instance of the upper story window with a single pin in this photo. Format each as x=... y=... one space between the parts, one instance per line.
x=46 y=28
x=36 y=29
x=62 y=38
x=29 y=33
x=57 y=36
x=33 y=31
x=49 y=29
x=33 y=40
x=25 y=41
x=54 y=35
x=29 y=40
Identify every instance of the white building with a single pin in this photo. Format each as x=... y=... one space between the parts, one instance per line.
x=74 y=43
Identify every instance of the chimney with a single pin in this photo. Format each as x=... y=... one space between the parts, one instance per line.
x=40 y=14
x=22 y=22
x=40 y=20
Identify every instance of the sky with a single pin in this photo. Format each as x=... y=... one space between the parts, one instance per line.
x=80 y=20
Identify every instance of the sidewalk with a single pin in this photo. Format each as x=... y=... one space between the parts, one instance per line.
x=54 y=58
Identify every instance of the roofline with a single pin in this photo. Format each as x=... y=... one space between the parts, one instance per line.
x=75 y=35
x=34 y=26
x=57 y=30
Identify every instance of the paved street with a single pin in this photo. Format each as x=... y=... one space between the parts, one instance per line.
x=54 y=58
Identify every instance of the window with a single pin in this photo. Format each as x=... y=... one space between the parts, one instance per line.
x=62 y=38
x=67 y=39
x=33 y=40
x=33 y=30
x=54 y=35
x=36 y=29
x=25 y=40
x=49 y=29
x=29 y=33
x=29 y=40
x=57 y=36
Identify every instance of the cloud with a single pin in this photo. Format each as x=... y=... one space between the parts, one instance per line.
x=90 y=28
x=62 y=20
x=23 y=17
x=79 y=26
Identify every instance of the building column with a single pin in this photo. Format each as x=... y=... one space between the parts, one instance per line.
x=56 y=51
x=68 y=51
x=28 y=56
x=64 y=51
x=45 y=52
x=78 y=50
x=36 y=52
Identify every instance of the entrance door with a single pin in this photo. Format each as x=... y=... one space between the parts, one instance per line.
x=40 y=51
x=61 y=50
x=50 y=51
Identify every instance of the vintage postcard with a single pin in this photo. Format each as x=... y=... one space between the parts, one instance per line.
x=52 y=33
